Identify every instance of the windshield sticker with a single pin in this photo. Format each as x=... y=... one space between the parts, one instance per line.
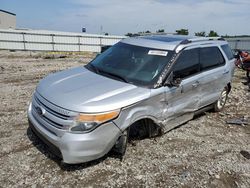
x=157 y=52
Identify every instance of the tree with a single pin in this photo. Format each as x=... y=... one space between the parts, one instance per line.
x=201 y=34
x=132 y=34
x=160 y=31
x=129 y=34
x=182 y=32
x=212 y=34
x=141 y=33
x=226 y=36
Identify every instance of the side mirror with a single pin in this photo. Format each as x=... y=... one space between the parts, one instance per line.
x=171 y=82
x=176 y=82
x=104 y=48
x=236 y=56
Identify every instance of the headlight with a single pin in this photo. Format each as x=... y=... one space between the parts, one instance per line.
x=88 y=122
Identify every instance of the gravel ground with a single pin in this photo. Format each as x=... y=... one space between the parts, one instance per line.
x=205 y=152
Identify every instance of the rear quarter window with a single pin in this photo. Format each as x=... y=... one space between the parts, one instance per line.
x=211 y=57
x=227 y=50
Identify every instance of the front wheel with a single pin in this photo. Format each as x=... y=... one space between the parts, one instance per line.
x=220 y=103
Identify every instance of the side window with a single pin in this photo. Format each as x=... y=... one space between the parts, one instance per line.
x=227 y=50
x=187 y=64
x=211 y=57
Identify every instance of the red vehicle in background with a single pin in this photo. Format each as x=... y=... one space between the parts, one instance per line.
x=243 y=62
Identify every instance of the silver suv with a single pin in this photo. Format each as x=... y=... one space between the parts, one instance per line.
x=146 y=85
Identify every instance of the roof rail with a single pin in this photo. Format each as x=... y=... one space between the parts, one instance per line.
x=199 y=39
x=160 y=33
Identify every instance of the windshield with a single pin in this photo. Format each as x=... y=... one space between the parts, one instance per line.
x=132 y=64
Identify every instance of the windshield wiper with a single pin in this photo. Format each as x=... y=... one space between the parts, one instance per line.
x=99 y=71
x=114 y=75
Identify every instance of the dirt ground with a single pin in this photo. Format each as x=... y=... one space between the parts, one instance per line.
x=205 y=152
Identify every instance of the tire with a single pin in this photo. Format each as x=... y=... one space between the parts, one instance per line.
x=220 y=103
x=121 y=144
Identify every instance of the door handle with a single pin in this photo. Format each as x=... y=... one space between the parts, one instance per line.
x=226 y=72
x=195 y=85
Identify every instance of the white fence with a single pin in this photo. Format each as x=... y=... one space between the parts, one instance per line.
x=239 y=43
x=39 y=40
x=54 y=41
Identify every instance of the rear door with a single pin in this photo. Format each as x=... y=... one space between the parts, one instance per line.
x=214 y=74
x=230 y=57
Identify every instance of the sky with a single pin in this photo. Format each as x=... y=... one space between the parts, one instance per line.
x=118 y=17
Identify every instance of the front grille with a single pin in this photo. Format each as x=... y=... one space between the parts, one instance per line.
x=59 y=115
x=40 y=122
x=51 y=115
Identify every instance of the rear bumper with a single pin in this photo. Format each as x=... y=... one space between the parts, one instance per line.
x=77 y=148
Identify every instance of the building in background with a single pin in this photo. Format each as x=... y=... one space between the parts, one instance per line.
x=7 y=20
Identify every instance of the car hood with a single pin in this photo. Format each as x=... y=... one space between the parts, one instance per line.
x=81 y=90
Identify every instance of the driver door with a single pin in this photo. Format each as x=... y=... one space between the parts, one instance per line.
x=183 y=101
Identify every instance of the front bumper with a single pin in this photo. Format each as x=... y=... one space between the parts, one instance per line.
x=76 y=148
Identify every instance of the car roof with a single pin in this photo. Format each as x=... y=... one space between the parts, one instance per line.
x=168 y=38
x=171 y=42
